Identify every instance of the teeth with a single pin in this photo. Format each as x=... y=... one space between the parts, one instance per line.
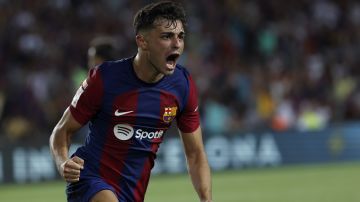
x=171 y=64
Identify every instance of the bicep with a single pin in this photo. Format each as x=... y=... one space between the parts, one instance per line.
x=192 y=142
x=87 y=100
x=68 y=124
x=189 y=118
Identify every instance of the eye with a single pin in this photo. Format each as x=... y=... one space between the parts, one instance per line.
x=182 y=36
x=165 y=36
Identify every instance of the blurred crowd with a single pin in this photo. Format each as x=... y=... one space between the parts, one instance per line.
x=258 y=64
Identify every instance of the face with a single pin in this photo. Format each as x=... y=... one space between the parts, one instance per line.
x=91 y=57
x=163 y=46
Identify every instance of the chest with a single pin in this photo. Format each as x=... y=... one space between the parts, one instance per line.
x=145 y=107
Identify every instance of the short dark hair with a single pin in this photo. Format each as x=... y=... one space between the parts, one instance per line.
x=104 y=47
x=145 y=17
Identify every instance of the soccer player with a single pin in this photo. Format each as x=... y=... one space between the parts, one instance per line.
x=130 y=104
x=101 y=49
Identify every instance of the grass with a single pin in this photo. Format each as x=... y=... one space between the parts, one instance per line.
x=315 y=183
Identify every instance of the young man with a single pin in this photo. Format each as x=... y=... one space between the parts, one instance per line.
x=130 y=104
x=101 y=49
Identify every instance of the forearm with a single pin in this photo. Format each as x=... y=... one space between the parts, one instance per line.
x=59 y=146
x=201 y=176
x=60 y=138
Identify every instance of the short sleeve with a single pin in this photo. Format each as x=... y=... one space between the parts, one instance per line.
x=189 y=119
x=87 y=99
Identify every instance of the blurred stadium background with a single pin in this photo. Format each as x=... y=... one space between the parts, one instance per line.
x=278 y=82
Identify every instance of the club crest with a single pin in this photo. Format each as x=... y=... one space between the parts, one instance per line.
x=169 y=114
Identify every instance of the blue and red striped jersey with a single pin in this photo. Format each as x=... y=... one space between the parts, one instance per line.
x=127 y=120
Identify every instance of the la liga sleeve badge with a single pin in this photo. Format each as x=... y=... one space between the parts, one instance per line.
x=169 y=114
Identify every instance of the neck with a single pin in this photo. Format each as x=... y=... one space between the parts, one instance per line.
x=145 y=70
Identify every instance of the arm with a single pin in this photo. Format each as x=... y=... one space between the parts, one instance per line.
x=60 y=141
x=198 y=166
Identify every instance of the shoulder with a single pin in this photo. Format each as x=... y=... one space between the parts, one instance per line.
x=112 y=73
x=182 y=71
x=116 y=65
x=181 y=75
x=181 y=81
x=116 y=69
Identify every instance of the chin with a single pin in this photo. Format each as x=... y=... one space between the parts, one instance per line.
x=167 y=73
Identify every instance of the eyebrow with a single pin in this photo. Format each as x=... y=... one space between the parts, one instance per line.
x=173 y=33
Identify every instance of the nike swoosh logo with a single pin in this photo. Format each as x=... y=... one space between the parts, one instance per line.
x=117 y=113
x=196 y=108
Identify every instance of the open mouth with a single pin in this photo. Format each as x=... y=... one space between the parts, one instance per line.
x=172 y=58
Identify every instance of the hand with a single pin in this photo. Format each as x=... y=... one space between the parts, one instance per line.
x=70 y=169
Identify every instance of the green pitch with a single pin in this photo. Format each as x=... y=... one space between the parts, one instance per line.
x=320 y=183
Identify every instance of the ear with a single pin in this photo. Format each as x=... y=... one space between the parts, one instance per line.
x=141 y=42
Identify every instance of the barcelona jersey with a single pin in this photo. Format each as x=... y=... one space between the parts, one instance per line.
x=127 y=119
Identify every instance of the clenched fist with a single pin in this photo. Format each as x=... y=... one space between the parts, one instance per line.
x=70 y=169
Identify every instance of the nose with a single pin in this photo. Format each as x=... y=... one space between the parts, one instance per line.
x=176 y=42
